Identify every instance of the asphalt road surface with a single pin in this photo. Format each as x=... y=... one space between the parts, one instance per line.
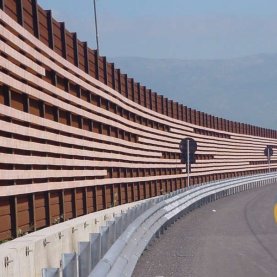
x=235 y=236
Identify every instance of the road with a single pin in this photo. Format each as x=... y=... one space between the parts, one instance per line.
x=235 y=236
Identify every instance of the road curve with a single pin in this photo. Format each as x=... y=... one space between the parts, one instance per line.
x=233 y=236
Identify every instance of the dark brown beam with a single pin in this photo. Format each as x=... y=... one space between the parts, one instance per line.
x=7 y=95
x=63 y=40
x=105 y=70
x=86 y=200
x=2 y=4
x=96 y=57
x=26 y=103
x=33 y=215
x=63 y=206
x=86 y=57
x=113 y=75
x=104 y=192
x=145 y=96
x=50 y=29
x=126 y=85
x=133 y=89
x=48 y=208
x=139 y=98
x=75 y=48
x=150 y=97
x=156 y=100
x=74 y=208
x=119 y=80
x=19 y=12
x=14 y=219
x=95 y=199
x=35 y=18
x=41 y=109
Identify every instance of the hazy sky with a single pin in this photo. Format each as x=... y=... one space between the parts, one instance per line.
x=174 y=28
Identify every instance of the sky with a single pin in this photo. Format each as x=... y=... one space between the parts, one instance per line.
x=178 y=29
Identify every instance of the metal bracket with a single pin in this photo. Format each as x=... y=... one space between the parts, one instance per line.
x=28 y=251
x=45 y=242
x=7 y=261
x=74 y=230
x=60 y=235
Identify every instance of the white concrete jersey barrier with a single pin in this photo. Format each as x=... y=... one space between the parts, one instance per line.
x=28 y=255
x=122 y=257
x=110 y=242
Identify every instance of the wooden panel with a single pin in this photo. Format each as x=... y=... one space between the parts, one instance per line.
x=43 y=27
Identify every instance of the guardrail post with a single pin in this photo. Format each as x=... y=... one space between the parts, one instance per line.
x=111 y=233
x=119 y=228
x=104 y=232
x=124 y=217
x=69 y=265
x=50 y=272
x=84 y=258
x=95 y=249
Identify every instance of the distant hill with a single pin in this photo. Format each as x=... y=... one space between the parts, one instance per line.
x=241 y=89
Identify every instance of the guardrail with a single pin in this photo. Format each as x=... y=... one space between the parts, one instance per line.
x=121 y=258
x=113 y=249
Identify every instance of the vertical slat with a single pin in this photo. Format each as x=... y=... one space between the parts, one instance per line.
x=42 y=109
x=156 y=100
x=126 y=193
x=150 y=188
x=2 y=4
x=105 y=70
x=19 y=11
x=86 y=57
x=86 y=200
x=139 y=98
x=63 y=205
x=34 y=218
x=104 y=192
x=14 y=216
x=120 y=194
x=144 y=191
x=133 y=89
x=64 y=50
x=182 y=113
x=119 y=80
x=26 y=103
x=50 y=29
x=95 y=198
x=113 y=204
x=35 y=19
x=74 y=203
x=113 y=75
x=133 y=192
x=126 y=85
x=7 y=95
x=150 y=98
x=48 y=208
x=162 y=99
x=145 y=96
x=96 y=57
x=75 y=49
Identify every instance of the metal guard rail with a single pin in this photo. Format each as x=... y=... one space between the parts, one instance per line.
x=116 y=249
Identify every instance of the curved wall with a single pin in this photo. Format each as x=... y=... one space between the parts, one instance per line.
x=77 y=136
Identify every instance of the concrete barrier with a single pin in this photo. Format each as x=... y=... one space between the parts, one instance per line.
x=110 y=243
x=28 y=255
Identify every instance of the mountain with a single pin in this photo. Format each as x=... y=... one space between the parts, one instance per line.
x=239 y=89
